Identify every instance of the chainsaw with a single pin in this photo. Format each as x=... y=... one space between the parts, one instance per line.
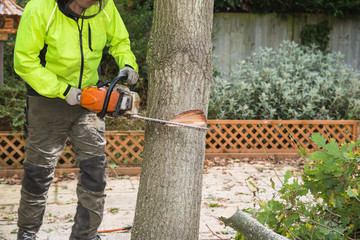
x=118 y=100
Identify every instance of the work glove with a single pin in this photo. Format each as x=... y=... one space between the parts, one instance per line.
x=132 y=75
x=73 y=98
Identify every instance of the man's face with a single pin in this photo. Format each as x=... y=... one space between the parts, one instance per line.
x=84 y=4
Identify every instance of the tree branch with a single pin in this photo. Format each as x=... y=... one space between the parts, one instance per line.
x=250 y=228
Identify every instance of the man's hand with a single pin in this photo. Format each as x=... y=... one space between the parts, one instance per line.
x=132 y=75
x=73 y=98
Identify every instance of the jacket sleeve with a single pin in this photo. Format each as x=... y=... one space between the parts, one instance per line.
x=118 y=39
x=29 y=42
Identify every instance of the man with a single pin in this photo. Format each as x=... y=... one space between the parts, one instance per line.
x=58 y=50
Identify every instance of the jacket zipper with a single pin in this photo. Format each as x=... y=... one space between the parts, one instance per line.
x=81 y=51
x=89 y=38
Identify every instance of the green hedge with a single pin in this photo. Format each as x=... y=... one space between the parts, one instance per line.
x=340 y=8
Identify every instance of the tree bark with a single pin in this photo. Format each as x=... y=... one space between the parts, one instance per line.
x=180 y=72
x=250 y=228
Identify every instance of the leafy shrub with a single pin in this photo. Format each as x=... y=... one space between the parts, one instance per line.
x=291 y=82
x=325 y=203
x=13 y=93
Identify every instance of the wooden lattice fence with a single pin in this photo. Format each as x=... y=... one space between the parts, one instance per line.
x=12 y=148
x=272 y=137
x=225 y=138
x=122 y=148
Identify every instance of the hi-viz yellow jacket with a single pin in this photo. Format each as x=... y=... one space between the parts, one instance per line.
x=54 y=51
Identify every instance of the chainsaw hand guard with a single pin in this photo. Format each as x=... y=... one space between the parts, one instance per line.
x=108 y=95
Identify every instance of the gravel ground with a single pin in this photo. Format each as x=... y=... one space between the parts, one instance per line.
x=228 y=185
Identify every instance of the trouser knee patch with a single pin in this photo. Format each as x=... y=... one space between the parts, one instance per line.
x=93 y=175
x=37 y=179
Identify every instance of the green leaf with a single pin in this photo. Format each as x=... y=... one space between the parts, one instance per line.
x=275 y=205
x=352 y=192
x=252 y=184
x=250 y=211
x=10 y=217
x=319 y=140
x=333 y=148
x=351 y=146
x=113 y=165
x=213 y=205
x=287 y=176
x=239 y=236
x=302 y=152
x=324 y=231
x=272 y=183
x=332 y=201
x=290 y=219
x=262 y=217
x=320 y=156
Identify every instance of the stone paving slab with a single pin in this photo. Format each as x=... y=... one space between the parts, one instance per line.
x=225 y=188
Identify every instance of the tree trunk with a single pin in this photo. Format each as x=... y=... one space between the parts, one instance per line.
x=250 y=228
x=180 y=72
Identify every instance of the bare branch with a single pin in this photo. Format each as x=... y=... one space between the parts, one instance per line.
x=250 y=228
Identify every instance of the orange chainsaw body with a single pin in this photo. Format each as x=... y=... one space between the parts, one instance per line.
x=93 y=98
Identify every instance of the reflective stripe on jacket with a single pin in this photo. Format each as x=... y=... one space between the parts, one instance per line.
x=74 y=47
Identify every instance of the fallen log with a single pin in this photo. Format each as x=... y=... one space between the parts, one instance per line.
x=250 y=228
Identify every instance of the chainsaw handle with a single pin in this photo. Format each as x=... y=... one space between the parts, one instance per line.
x=102 y=84
x=108 y=94
x=124 y=76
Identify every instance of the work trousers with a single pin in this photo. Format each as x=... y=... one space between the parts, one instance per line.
x=49 y=123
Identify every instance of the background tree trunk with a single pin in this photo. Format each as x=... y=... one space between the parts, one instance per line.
x=180 y=73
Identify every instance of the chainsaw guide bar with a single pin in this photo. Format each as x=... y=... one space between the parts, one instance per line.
x=169 y=123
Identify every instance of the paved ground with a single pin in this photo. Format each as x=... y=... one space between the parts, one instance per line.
x=227 y=186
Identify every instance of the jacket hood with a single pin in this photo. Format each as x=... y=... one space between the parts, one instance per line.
x=92 y=11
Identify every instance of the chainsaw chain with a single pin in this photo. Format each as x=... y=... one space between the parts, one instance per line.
x=166 y=122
